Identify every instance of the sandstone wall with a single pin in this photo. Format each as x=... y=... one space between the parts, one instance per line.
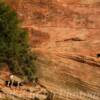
x=66 y=36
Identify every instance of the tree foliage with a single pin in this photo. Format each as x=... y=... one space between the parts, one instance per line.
x=14 y=47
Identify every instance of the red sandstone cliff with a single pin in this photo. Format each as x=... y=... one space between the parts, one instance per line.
x=66 y=36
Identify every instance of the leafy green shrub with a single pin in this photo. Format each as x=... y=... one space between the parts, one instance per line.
x=14 y=47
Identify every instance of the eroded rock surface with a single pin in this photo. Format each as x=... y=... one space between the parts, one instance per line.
x=27 y=91
x=66 y=36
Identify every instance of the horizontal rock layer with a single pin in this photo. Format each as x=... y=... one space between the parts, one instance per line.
x=65 y=34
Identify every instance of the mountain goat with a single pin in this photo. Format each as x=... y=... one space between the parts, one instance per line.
x=14 y=81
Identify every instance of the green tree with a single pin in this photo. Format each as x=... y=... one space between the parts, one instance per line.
x=14 y=47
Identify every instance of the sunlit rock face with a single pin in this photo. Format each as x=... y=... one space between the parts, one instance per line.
x=66 y=36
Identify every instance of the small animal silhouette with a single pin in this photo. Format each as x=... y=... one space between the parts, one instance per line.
x=98 y=55
x=14 y=81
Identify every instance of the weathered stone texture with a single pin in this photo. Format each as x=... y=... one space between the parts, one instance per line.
x=66 y=35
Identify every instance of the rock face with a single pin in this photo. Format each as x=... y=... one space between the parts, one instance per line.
x=25 y=91
x=65 y=34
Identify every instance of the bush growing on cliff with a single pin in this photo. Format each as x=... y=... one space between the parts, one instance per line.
x=14 y=48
